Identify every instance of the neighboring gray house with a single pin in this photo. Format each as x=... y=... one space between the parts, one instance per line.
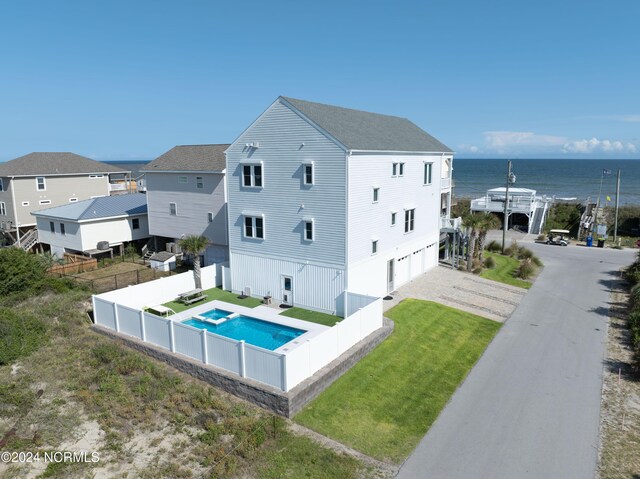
x=186 y=195
x=43 y=180
x=94 y=226
x=325 y=200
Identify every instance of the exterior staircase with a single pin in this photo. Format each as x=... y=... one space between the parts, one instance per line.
x=28 y=240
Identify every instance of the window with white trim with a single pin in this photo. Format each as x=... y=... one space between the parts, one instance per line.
x=52 y=226
x=3 y=208
x=376 y=194
x=62 y=229
x=73 y=200
x=1 y=185
x=428 y=172
x=95 y=177
x=409 y=217
x=41 y=184
x=254 y=227
x=182 y=179
x=135 y=223
x=393 y=218
x=210 y=217
x=199 y=182
x=307 y=170
x=401 y=169
x=252 y=176
x=308 y=230
x=394 y=169
x=44 y=202
x=173 y=209
x=374 y=246
x=25 y=203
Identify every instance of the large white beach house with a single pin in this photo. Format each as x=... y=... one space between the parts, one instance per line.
x=324 y=199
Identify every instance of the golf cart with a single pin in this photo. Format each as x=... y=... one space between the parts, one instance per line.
x=558 y=237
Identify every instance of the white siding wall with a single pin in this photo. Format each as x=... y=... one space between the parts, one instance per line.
x=314 y=287
x=286 y=142
x=193 y=206
x=85 y=236
x=370 y=221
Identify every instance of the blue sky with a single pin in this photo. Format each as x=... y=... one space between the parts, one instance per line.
x=127 y=80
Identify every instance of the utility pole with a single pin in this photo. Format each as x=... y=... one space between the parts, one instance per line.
x=615 y=224
x=506 y=206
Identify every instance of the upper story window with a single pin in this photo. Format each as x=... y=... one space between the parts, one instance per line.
x=3 y=208
x=308 y=230
x=307 y=170
x=52 y=226
x=25 y=203
x=40 y=183
x=409 y=216
x=210 y=217
x=1 y=185
x=135 y=223
x=44 y=202
x=62 y=229
x=252 y=176
x=376 y=194
x=199 y=182
x=173 y=209
x=394 y=169
x=393 y=218
x=182 y=179
x=428 y=171
x=401 y=169
x=374 y=246
x=254 y=227
x=95 y=177
x=73 y=200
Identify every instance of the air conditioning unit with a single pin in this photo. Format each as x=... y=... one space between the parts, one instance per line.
x=170 y=247
x=246 y=291
x=103 y=245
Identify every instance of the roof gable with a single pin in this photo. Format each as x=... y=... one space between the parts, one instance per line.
x=54 y=163
x=361 y=130
x=98 y=208
x=190 y=158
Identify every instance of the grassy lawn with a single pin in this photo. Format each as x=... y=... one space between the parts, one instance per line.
x=504 y=271
x=311 y=316
x=386 y=403
x=215 y=293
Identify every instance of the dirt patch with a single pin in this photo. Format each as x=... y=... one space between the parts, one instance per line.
x=620 y=407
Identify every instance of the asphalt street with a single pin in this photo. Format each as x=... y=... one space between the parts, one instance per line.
x=530 y=408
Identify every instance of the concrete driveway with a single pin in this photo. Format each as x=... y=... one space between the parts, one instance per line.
x=530 y=408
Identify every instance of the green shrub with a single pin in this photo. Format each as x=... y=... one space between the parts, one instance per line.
x=524 y=253
x=20 y=271
x=526 y=269
x=20 y=335
x=494 y=247
x=632 y=273
x=489 y=262
x=537 y=261
x=634 y=298
x=513 y=250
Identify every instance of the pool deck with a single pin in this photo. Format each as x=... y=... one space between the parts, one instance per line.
x=264 y=313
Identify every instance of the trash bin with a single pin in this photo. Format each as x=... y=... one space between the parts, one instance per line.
x=589 y=241
x=600 y=242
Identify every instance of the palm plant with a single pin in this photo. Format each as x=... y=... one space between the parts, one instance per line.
x=488 y=221
x=194 y=245
x=471 y=223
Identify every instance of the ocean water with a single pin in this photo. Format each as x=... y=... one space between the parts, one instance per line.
x=560 y=178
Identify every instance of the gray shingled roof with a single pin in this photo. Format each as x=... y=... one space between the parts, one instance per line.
x=98 y=208
x=190 y=158
x=361 y=130
x=54 y=163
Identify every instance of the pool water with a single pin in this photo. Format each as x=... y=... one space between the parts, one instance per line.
x=254 y=331
x=215 y=314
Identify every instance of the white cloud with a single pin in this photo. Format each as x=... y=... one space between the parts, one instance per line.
x=594 y=145
x=507 y=140
x=468 y=148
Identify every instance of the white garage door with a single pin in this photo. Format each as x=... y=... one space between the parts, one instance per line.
x=403 y=269
x=431 y=256
x=417 y=260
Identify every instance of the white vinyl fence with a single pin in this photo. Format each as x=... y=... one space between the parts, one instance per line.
x=282 y=370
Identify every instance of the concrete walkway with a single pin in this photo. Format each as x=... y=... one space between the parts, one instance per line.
x=464 y=291
x=530 y=408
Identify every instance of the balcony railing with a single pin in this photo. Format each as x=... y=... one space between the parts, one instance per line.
x=450 y=223
x=524 y=205
x=445 y=183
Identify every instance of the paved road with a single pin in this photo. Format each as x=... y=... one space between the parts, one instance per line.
x=530 y=408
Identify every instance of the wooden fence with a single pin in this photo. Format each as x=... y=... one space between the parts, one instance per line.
x=75 y=264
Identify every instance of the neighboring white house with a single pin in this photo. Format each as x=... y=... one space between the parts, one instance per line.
x=94 y=226
x=323 y=200
x=186 y=194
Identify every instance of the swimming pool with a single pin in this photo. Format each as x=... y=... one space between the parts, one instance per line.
x=215 y=314
x=263 y=334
